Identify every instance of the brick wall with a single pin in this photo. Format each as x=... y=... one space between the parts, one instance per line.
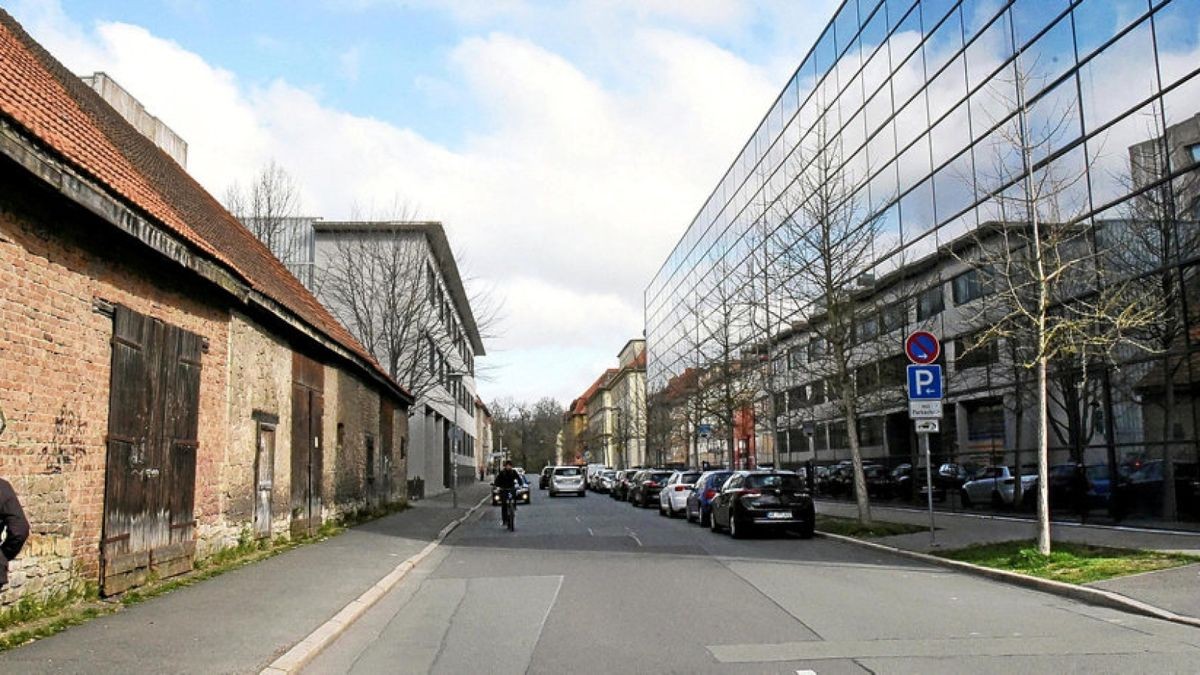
x=54 y=374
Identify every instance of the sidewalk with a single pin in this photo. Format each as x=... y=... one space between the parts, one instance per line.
x=240 y=621
x=1176 y=590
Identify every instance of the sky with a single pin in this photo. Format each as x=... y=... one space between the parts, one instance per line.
x=566 y=146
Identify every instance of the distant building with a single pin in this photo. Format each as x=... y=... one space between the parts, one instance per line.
x=628 y=398
x=136 y=114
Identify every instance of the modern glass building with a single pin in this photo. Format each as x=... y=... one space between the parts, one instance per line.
x=938 y=112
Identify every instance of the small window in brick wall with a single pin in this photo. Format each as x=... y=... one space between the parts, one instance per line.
x=369 y=442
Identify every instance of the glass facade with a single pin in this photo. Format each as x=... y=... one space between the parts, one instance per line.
x=938 y=112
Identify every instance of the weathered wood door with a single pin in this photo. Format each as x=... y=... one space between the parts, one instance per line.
x=264 y=479
x=308 y=407
x=150 y=477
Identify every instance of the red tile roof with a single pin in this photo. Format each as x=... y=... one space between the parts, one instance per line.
x=39 y=95
x=600 y=382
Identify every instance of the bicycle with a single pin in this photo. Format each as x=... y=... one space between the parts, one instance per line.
x=508 y=509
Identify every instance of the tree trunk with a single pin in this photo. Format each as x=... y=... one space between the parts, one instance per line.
x=860 y=478
x=1043 y=445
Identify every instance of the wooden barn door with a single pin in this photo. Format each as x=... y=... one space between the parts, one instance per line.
x=150 y=477
x=308 y=408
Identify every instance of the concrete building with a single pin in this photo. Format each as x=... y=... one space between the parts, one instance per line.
x=574 y=433
x=424 y=327
x=168 y=386
x=598 y=443
x=136 y=114
x=483 y=435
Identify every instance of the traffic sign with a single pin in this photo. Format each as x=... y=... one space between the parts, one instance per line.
x=925 y=409
x=922 y=347
x=924 y=382
x=927 y=426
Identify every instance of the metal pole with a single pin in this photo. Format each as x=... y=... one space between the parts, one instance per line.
x=928 y=484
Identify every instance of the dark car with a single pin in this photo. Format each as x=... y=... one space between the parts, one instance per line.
x=620 y=489
x=762 y=500
x=1146 y=487
x=645 y=486
x=902 y=481
x=544 y=479
x=879 y=481
x=522 y=492
x=707 y=487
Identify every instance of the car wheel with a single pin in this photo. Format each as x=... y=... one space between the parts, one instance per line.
x=735 y=531
x=807 y=530
x=704 y=522
x=712 y=521
x=687 y=513
x=966 y=498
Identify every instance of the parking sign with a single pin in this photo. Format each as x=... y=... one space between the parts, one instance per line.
x=924 y=382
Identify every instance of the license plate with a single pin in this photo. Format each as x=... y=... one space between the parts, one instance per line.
x=779 y=515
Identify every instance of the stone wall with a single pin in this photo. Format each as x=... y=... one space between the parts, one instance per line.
x=54 y=374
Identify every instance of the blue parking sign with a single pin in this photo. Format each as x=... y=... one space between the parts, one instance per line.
x=925 y=382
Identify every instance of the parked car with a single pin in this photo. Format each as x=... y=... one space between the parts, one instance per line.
x=902 y=481
x=996 y=485
x=1146 y=487
x=523 y=496
x=620 y=488
x=544 y=479
x=604 y=482
x=760 y=500
x=879 y=481
x=707 y=486
x=567 y=480
x=645 y=486
x=672 y=500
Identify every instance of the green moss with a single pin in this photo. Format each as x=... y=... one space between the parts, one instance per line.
x=1067 y=562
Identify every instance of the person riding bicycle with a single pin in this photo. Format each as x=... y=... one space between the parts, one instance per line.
x=508 y=480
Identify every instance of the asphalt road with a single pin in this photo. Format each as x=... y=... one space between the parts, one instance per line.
x=592 y=585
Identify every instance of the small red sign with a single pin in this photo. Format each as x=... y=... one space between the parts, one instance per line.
x=922 y=347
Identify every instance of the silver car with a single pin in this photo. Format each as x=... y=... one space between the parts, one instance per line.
x=567 y=480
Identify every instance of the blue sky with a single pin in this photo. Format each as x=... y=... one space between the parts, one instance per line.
x=566 y=145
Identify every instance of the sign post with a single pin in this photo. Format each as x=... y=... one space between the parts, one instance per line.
x=925 y=401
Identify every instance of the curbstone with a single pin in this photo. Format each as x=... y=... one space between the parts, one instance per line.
x=315 y=642
x=1085 y=594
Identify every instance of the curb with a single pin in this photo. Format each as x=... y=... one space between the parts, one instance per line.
x=304 y=651
x=1085 y=594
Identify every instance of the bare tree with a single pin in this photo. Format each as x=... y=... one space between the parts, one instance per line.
x=268 y=206
x=831 y=232
x=380 y=282
x=1040 y=259
x=1156 y=231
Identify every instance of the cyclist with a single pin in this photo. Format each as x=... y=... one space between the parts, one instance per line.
x=507 y=480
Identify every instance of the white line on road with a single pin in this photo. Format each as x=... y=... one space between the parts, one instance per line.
x=590 y=533
x=577 y=519
x=806 y=672
x=634 y=536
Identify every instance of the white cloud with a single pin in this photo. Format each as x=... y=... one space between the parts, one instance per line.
x=567 y=195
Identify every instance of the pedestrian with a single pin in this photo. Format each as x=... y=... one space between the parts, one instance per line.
x=13 y=527
x=481 y=474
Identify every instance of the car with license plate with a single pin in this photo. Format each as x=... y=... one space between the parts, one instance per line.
x=604 y=482
x=567 y=480
x=754 y=501
x=699 y=502
x=523 y=496
x=672 y=500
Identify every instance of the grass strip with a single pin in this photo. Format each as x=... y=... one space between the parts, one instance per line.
x=850 y=527
x=1068 y=562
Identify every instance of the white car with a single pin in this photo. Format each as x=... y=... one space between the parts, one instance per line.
x=997 y=485
x=672 y=501
x=567 y=480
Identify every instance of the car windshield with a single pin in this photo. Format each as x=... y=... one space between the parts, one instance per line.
x=567 y=471
x=659 y=476
x=784 y=481
x=689 y=478
x=718 y=479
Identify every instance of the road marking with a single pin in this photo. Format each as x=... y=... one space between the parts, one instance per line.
x=325 y=634
x=806 y=672
x=939 y=647
x=590 y=533
x=633 y=536
x=577 y=519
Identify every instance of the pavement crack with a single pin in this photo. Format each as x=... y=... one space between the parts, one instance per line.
x=450 y=624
